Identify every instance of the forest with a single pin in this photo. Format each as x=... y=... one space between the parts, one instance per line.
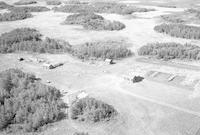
x=168 y=51
x=101 y=50
x=93 y=21
x=179 y=30
x=27 y=104
x=101 y=7
x=90 y=109
x=30 y=40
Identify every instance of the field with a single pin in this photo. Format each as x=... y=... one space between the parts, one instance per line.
x=166 y=102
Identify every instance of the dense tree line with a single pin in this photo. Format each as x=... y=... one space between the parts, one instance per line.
x=179 y=30
x=25 y=2
x=90 y=109
x=26 y=39
x=26 y=103
x=101 y=50
x=13 y=16
x=53 y=2
x=169 y=51
x=101 y=7
x=20 y=13
x=30 y=40
x=93 y=22
x=4 y=5
x=29 y=9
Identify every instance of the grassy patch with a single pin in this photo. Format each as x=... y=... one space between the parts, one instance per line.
x=26 y=103
x=90 y=109
x=92 y=21
x=25 y=2
x=101 y=7
x=26 y=39
x=102 y=50
x=169 y=51
x=179 y=30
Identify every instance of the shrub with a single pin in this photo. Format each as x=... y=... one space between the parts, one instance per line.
x=53 y=2
x=4 y=5
x=102 y=50
x=25 y=2
x=29 y=9
x=26 y=39
x=13 y=16
x=101 y=7
x=179 y=30
x=93 y=22
x=169 y=51
x=26 y=102
x=90 y=109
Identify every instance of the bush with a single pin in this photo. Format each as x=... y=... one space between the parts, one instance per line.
x=101 y=7
x=27 y=103
x=53 y=2
x=25 y=2
x=169 y=51
x=26 y=39
x=93 y=22
x=102 y=50
x=29 y=9
x=179 y=30
x=4 y=5
x=90 y=109
x=13 y=16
